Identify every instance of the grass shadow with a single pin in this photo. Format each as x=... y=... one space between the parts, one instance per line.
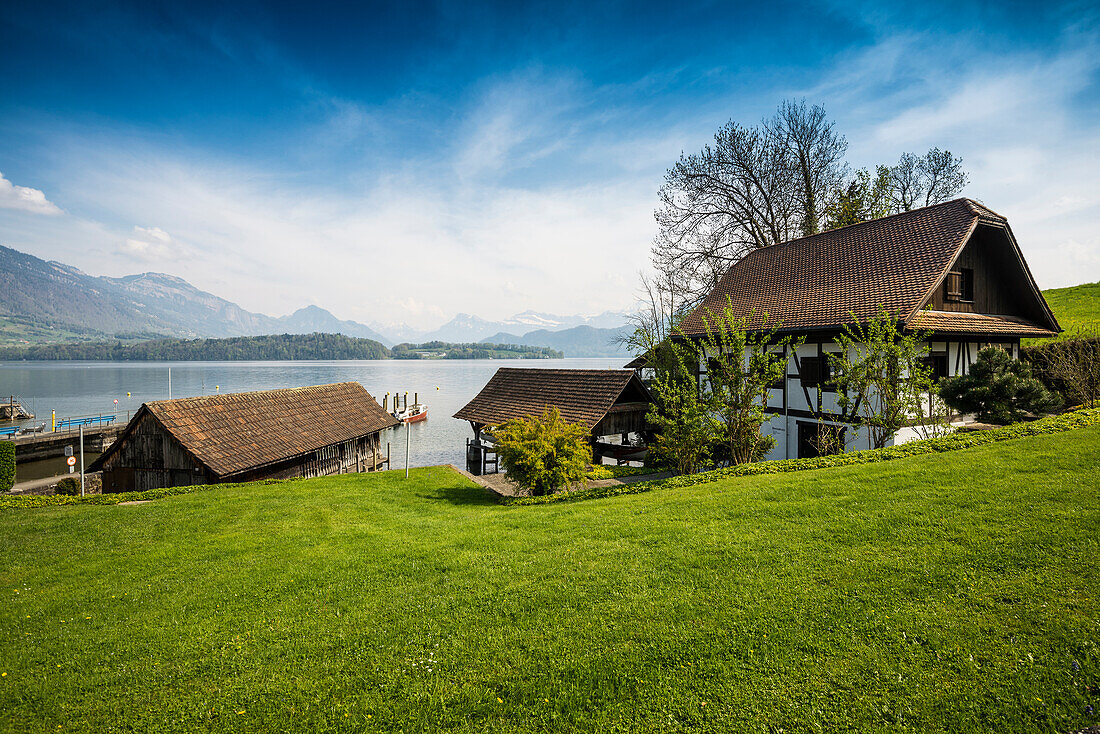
x=461 y=495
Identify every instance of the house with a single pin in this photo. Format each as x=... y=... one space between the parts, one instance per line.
x=610 y=403
x=953 y=270
x=241 y=437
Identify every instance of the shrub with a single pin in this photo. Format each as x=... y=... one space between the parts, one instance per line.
x=543 y=454
x=1070 y=366
x=7 y=465
x=69 y=486
x=999 y=389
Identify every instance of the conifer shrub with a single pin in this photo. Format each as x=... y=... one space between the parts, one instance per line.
x=68 y=486
x=999 y=389
x=7 y=465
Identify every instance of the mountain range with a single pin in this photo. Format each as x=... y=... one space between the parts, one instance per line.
x=44 y=301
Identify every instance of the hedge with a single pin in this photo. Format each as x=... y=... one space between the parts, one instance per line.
x=951 y=442
x=15 y=501
x=7 y=465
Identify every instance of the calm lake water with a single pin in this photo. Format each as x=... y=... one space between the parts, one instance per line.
x=88 y=388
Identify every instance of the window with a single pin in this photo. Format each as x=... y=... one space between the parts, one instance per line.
x=959 y=287
x=815 y=372
x=937 y=362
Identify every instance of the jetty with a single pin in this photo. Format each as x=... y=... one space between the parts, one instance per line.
x=12 y=410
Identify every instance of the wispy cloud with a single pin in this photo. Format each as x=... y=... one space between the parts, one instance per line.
x=24 y=198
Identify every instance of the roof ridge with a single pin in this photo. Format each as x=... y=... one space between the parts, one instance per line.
x=964 y=199
x=252 y=392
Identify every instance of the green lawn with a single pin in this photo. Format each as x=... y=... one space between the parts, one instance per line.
x=1077 y=307
x=953 y=593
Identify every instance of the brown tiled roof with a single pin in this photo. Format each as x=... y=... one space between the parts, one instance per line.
x=817 y=282
x=235 y=432
x=582 y=396
x=976 y=323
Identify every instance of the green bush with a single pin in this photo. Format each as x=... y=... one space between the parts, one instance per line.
x=68 y=486
x=543 y=454
x=7 y=465
x=951 y=442
x=998 y=389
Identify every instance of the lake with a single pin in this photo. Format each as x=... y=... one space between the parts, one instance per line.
x=89 y=388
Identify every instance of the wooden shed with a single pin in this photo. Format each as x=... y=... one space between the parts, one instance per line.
x=607 y=402
x=240 y=437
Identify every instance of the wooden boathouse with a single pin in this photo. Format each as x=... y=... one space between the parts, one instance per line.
x=610 y=403
x=241 y=437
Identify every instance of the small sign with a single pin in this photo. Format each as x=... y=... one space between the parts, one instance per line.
x=71 y=461
x=71 y=470
x=68 y=451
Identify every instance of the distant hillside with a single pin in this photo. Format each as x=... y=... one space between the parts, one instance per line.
x=1076 y=307
x=580 y=341
x=240 y=348
x=42 y=302
x=473 y=350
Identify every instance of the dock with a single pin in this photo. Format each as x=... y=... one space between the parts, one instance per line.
x=51 y=444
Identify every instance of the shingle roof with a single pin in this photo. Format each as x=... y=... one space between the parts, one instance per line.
x=582 y=396
x=238 y=431
x=976 y=323
x=816 y=282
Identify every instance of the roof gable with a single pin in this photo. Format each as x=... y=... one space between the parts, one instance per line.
x=582 y=396
x=234 y=432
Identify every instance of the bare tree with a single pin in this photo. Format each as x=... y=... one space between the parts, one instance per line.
x=816 y=153
x=930 y=179
x=752 y=187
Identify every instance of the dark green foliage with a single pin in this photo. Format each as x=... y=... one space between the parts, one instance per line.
x=998 y=388
x=69 y=486
x=951 y=442
x=449 y=350
x=273 y=347
x=7 y=465
x=543 y=454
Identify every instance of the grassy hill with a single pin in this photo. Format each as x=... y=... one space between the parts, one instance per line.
x=1076 y=307
x=930 y=594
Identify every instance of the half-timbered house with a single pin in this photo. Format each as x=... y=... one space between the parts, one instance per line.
x=953 y=270
x=242 y=437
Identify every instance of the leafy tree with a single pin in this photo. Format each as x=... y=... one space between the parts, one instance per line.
x=543 y=454
x=685 y=429
x=882 y=380
x=998 y=388
x=7 y=465
x=865 y=197
x=741 y=368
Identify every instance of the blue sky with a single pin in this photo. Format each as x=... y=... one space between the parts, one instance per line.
x=404 y=162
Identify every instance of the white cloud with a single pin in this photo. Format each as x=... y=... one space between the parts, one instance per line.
x=150 y=244
x=25 y=198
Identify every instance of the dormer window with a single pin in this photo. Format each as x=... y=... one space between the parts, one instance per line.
x=959 y=287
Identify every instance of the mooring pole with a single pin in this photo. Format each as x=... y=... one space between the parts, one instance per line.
x=406 y=449
x=169 y=383
x=81 y=459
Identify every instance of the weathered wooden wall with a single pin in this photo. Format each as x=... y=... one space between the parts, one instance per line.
x=151 y=458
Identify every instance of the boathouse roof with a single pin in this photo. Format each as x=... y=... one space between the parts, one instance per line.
x=896 y=262
x=582 y=396
x=234 y=432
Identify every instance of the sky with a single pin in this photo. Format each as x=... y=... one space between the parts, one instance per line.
x=403 y=162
